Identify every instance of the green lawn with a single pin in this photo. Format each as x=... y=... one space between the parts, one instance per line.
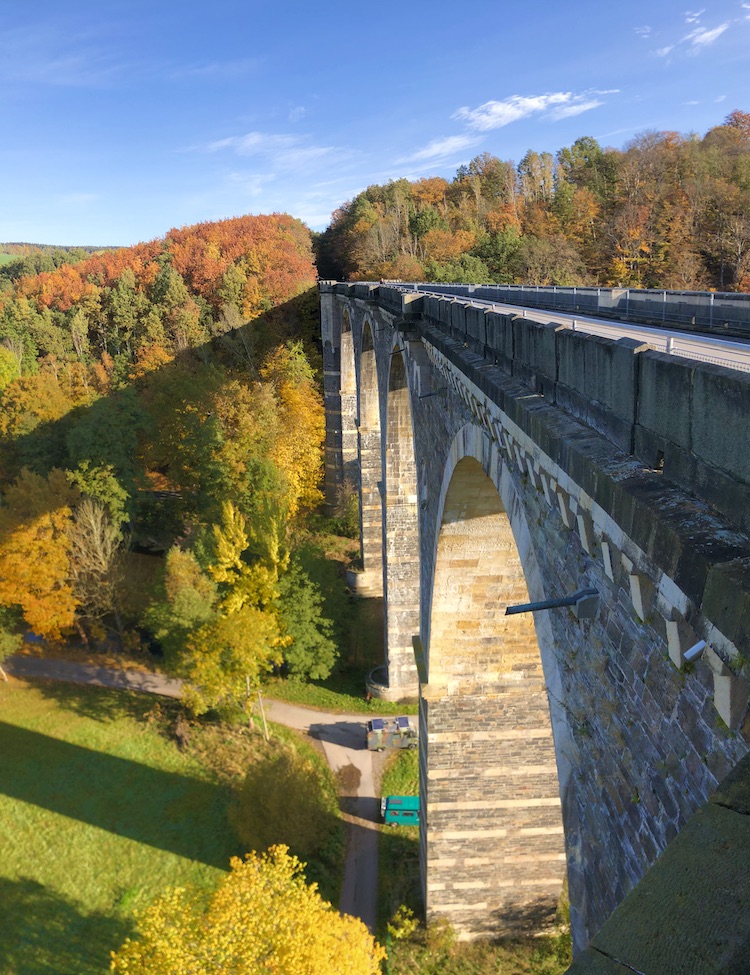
x=7 y=258
x=99 y=812
x=337 y=694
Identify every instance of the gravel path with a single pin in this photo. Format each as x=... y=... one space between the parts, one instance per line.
x=342 y=737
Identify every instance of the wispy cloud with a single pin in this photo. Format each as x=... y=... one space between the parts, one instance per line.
x=577 y=108
x=643 y=31
x=701 y=37
x=278 y=151
x=49 y=55
x=555 y=105
x=441 y=148
x=254 y=143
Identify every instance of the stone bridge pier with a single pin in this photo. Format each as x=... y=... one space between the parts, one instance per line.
x=498 y=462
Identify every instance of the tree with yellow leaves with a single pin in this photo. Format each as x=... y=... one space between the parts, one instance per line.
x=35 y=549
x=264 y=918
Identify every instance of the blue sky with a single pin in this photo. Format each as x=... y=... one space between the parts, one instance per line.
x=120 y=120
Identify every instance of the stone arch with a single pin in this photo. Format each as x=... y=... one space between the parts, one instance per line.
x=371 y=467
x=400 y=530
x=492 y=844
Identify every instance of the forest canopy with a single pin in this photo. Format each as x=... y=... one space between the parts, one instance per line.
x=163 y=399
x=665 y=211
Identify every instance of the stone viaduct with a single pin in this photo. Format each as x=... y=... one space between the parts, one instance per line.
x=500 y=461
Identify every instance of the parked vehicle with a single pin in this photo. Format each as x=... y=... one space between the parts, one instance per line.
x=391 y=733
x=400 y=810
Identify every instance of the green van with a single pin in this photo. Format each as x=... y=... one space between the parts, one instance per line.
x=400 y=810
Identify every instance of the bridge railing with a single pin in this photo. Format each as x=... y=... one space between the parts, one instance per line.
x=721 y=312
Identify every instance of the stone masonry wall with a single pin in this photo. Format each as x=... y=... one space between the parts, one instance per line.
x=639 y=741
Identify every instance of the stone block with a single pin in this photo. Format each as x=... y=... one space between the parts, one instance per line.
x=665 y=385
x=720 y=411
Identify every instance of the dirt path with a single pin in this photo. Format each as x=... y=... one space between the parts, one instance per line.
x=342 y=737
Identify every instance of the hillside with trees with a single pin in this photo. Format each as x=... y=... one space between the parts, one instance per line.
x=666 y=211
x=162 y=399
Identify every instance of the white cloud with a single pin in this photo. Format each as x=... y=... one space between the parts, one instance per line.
x=701 y=37
x=558 y=105
x=254 y=143
x=440 y=148
x=643 y=31
x=303 y=156
x=568 y=111
x=252 y=184
x=494 y=114
x=662 y=52
x=693 y=16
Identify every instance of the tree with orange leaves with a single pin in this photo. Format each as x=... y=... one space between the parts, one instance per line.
x=35 y=571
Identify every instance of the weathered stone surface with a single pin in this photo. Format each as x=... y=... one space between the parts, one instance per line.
x=688 y=915
x=637 y=744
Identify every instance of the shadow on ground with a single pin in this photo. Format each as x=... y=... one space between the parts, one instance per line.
x=45 y=934
x=163 y=809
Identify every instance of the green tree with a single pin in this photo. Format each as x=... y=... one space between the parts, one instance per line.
x=186 y=599
x=10 y=368
x=223 y=660
x=261 y=816
x=312 y=651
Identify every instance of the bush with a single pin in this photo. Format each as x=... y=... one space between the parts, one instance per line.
x=290 y=798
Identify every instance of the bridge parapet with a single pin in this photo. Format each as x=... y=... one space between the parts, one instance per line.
x=684 y=419
x=553 y=420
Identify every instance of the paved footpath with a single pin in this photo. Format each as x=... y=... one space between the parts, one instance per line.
x=341 y=735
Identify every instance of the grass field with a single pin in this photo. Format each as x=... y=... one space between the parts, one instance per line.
x=7 y=258
x=99 y=812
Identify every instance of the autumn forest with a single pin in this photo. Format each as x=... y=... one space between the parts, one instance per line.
x=161 y=400
x=666 y=211
x=161 y=462
x=160 y=403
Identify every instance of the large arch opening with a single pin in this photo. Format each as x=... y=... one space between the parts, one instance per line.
x=371 y=467
x=348 y=392
x=401 y=534
x=492 y=848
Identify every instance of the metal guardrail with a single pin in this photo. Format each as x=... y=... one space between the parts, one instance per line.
x=721 y=313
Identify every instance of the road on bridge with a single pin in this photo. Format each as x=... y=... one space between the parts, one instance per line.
x=342 y=737
x=731 y=353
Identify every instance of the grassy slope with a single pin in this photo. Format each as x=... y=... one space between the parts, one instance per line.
x=99 y=812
